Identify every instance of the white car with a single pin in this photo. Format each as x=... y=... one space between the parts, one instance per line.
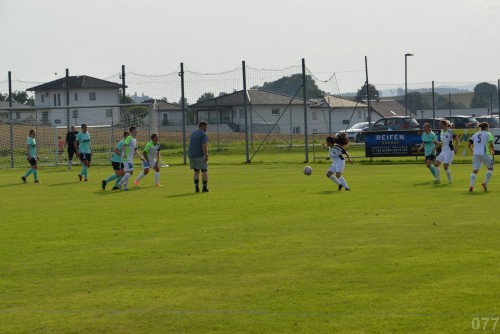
x=354 y=133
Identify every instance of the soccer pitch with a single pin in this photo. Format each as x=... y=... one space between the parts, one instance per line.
x=269 y=250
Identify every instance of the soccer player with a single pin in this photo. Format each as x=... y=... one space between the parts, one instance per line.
x=116 y=162
x=336 y=148
x=429 y=143
x=481 y=146
x=31 y=156
x=84 y=151
x=151 y=155
x=198 y=156
x=129 y=149
x=70 y=142
x=449 y=145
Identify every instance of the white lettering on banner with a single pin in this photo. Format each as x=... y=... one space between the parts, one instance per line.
x=390 y=137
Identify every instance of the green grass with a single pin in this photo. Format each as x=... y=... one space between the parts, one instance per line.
x=268 y=250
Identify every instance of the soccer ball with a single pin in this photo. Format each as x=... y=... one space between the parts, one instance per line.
x=308 y=170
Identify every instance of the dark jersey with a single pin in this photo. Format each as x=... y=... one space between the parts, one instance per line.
x=70 y=138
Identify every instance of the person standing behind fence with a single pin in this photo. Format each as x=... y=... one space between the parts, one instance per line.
x=198 y=156
x=336 y=148
x=449 y=145
x=429 y=143
x=60 y=147
x=483 y=150
x=84 y=151
x=31 y=156
x=70 y=142
x=151 y=155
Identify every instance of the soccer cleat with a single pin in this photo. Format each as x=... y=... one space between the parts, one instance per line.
x=471 y=189
x=348 y=189
x=437 y=181
x=23 y=178
x=340 y=187
x=158 y=185
x=103 y=185
x=136 y=183
x=85 y=180
x=450 y=182
x=116 y=188
x=125 y=189
x=197 y=189
x=205 y=190
x=36 y=181
x=485 y=186
x=80 y=177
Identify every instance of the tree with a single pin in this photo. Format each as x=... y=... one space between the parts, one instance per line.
x=133 y=115
x=484 y=93
x=291 y=86
x=19 y=97
x=362 y=93
x=205 y=97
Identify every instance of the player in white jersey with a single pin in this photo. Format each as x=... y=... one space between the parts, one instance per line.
x=129 y=149
x=449 y=145
x=151 y=154
x=336 y=148
x=481 y=146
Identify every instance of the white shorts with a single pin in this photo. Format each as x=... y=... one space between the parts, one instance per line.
x=478 y=160
x=149 y=164
x=128 y=166
x=446 y=157
x=337 y=166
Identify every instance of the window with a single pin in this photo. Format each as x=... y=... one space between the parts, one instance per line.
x=275 y=112
x=75 y=113
x=43 y=98
x=57 y=121
x=76 y=96
x=55 y=99
x=315 y=115
x=18 y=115
x=296 y=130
x=92 y=96
x=345 y=121
x=109 y=113
x=359 y=114
x=58 y=99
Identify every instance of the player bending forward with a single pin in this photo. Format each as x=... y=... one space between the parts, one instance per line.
x=336 y=147
x=151 y=159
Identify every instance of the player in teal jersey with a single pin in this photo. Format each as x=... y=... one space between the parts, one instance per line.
x=84 y=150
x=116 y=162
x=129 y=150
x=429 y=144
x=31 y=156
x=483 y=150
x=151 y=155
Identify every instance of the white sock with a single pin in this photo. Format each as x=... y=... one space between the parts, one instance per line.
x=488 y=176
x=343 y=182
x=124 y=180
x=70 y=162
x=140 y=176
x=448 y=174
x=157 y=177
x=334 y=179
x=472 y=179
x=437 y=171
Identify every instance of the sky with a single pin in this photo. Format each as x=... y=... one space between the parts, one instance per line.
x=452 y=40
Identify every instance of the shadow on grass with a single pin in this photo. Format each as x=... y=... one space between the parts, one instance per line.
x=183 y=195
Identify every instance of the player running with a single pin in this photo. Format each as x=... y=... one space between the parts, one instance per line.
x=116 y=162
x=449 y=145
x=429 y=144
x=483 y=150
x=129 y=149
x=151 y=155
x=336 y=147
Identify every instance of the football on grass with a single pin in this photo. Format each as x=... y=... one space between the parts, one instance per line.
x=308 y=170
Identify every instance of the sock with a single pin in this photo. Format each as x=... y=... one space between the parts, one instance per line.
x=140 y=176
x=343 y=182
x=70 y=162
x=84 y=172
x=111 y=178
x=124 y=179
x=334 y=179
x=205 y=184
x=472 y=179
x=448 y=174
x=488 y=176
x=117 y=181
x=35 y=174
x=28 y=173
x=437 y=172
x=196 y=183
x=157 y=177
x=432 y=170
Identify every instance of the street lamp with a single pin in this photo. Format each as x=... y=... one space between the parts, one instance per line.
x=406 y=81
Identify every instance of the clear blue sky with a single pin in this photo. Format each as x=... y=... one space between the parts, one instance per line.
x=453 y=40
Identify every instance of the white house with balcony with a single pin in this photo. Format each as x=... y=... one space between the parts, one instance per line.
x=91 y=100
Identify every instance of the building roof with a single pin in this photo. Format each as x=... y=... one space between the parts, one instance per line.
x=164 y=106
x=331 y=101
x=254 y=96
x=388 y=108
x=76 y=82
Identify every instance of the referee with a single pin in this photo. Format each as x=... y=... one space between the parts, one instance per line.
x=70 y=142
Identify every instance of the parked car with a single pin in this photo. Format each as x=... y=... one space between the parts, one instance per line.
x=396 y=123
x=493 y=121
x=434 y=122
x=354 y=133
x=462 y=122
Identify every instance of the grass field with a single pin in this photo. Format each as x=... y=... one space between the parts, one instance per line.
x=269 y=250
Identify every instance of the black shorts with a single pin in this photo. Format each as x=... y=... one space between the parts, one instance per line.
x=32 y=161
x=430 y=157
x=71 y=151
x=117 y=165
x=85 y=156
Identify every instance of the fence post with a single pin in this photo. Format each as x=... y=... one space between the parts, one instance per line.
x=11 y=130
x=306 y=141
x=245 y=109
x=183 y=105
x=433 y=105
x=123 y=83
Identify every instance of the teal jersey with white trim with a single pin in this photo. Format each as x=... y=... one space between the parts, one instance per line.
x=32 y=147
x=83 y=140
x=117 y=157
x=429 y=145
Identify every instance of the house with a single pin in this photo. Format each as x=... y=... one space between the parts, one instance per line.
x=20 y=112
x=387 y=108
x=168 y=113
x=337 y=113
x=84 y=92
